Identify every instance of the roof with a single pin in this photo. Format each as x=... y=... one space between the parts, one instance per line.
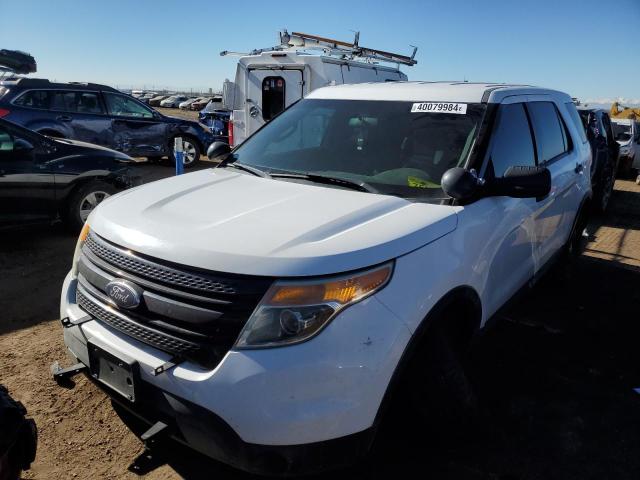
x=44 y=83
x=469 y=92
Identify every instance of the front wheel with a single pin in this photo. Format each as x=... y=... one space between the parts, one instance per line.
x=191 y=152
x=84 y=200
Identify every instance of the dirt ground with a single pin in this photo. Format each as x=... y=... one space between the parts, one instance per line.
x=177 y=112
x=555 y=376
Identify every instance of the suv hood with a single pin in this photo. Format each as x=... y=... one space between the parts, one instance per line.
x=223 y=220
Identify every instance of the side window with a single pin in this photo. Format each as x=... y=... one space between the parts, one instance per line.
x=123 y=106
x=76 y=102
x=35 y=99
x=63 y=101
x=550 y=133
x=512 y=143
x=273 y=89
x=575 y=118
x=87 y=102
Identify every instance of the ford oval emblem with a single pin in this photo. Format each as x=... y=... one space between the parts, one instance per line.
x=123 y=293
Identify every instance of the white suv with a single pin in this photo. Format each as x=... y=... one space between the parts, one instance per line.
x=263 y=310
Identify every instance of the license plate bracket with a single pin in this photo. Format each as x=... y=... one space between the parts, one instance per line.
x=116 y=373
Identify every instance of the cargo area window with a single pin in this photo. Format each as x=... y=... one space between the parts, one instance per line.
x=273 y=97
x=35 y=99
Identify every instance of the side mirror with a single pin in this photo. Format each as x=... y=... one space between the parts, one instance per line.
x=460 y=184
x=22 y=145
x=217 y=150
x=522 y=182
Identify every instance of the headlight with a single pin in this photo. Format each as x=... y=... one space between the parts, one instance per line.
x=294 y=311
x=84 y=233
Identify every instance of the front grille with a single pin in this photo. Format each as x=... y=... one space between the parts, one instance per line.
x=185 y=311
x=148 y=269
x=144 y=334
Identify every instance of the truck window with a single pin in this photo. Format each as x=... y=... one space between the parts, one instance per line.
x=273 y=91
x=512 y=143
x=548 y=130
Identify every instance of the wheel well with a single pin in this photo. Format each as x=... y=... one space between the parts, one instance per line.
x=51 y=133
x=78 y=184
x=190 y=137
x=462 y=304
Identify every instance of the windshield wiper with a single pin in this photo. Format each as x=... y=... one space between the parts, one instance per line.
x=343 y=182
x=241 y=166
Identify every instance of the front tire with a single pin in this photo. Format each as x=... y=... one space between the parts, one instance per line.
x=84 y=200
x=191 y=149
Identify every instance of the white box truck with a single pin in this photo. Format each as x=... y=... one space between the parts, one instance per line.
x=269 y=80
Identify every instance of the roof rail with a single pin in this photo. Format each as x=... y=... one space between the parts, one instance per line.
x=351 y=51
x=46 y=83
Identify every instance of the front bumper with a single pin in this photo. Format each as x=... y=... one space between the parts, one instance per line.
x=311 y=406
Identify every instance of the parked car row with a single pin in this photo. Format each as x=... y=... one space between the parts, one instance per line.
x=183 y=102
x=100 y=115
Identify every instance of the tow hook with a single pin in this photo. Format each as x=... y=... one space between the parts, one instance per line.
x=63 y=376
x=150 y=459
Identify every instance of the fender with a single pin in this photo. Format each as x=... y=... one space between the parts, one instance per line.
x=461 y=295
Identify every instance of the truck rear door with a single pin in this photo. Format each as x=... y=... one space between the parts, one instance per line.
x=269 y=92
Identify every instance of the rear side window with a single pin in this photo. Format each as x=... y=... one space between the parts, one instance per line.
x=512 y=143
x=76 y=102
x=550 y=134
x=273 y=89
x=35 y=99
x=580 y=123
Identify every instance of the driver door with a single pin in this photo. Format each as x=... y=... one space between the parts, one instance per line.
x=27 y=188
x=135 y=129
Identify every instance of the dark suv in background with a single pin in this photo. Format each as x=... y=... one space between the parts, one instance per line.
x=604 y=152
x=101 y=115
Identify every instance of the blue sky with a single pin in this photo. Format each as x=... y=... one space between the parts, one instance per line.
x=584 y=47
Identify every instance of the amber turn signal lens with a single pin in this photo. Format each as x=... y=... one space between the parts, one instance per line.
x=84 y=233
x=342 y=290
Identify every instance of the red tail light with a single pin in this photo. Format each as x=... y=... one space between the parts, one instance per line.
x=230 y=128
x=4 y=112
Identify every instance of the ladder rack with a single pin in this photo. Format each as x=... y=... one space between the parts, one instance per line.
x=351 y=51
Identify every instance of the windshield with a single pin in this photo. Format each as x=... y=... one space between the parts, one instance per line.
x=621 y=132
x=383 y=144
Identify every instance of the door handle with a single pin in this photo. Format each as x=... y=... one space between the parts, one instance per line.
x=579 y=167
x=64 y=118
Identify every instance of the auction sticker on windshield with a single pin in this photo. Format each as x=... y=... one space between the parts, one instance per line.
x=438 y=107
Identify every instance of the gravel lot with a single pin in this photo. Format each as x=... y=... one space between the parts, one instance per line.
x=555 y=376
